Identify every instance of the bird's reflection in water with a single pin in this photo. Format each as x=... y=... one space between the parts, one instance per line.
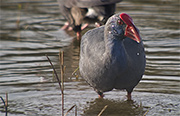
x=114 y=108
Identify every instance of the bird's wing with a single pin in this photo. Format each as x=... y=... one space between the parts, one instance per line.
x=86 y=3
x=91 y=53
x=92 y=43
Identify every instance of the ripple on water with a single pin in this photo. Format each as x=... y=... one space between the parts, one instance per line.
x=27 y=76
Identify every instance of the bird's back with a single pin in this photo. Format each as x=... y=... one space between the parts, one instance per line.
x=92 y=43
x=86 y=3
x=91 y=62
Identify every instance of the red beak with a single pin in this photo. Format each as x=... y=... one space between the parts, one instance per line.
x=131 y=30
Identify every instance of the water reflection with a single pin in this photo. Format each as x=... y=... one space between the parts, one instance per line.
x=29 y=31
x=114 y=108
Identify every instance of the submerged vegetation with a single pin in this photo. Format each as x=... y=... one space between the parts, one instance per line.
x=61 y=84
x=5 y=103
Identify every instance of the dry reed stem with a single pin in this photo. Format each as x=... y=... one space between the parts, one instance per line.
x=19 y=16
x=71 y=109
x=55 y=74
x=61 y=82
x=146 y=112
x=62 y=92
x=75 y=70
x=5 y=103
x=61 y=61
x=103 y=110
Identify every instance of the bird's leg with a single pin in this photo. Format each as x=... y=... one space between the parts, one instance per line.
x=97 y=24
x=84 y=26
x=66 y=25
x=78 y=35
x=101 y=95
x=129 y=96
x=70 y=28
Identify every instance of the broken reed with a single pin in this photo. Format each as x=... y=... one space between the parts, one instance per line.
x=61 y=61
x=74 y=106
x=103 y=110
x=61 y=82
x=5 y=103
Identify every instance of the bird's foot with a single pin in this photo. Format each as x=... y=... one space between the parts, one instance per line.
x=97 y=24
x=78 y=35
x=84 y=26
x=70 y=29
x=129 y=98
x=66 y=25
x=101 y=95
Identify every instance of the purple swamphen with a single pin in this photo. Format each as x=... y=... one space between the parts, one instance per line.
x=113 y=56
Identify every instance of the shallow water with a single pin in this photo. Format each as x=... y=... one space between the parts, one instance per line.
x=30 y=29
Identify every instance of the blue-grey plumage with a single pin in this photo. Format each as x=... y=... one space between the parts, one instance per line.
x=112 y=56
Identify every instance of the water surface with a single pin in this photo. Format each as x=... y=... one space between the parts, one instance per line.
x=30 y=29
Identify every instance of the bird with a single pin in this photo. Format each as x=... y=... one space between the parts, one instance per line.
x=78 y=11
x=112 y=56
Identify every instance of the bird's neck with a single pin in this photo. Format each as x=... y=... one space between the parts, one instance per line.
x=113 y=43
x=114 y=46
x=115 y=51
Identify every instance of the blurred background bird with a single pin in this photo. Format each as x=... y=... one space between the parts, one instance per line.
x=78 y=12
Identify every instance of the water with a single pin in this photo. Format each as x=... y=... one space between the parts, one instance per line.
x=30 y=29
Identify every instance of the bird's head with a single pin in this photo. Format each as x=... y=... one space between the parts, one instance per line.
x=122 y=26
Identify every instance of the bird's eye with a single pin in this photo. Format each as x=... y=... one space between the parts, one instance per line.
x=119 y=22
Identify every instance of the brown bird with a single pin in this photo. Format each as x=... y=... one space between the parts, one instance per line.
x=78 y=11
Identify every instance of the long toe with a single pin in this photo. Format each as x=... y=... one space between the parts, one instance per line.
x=84 y=26
x=65 y=26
